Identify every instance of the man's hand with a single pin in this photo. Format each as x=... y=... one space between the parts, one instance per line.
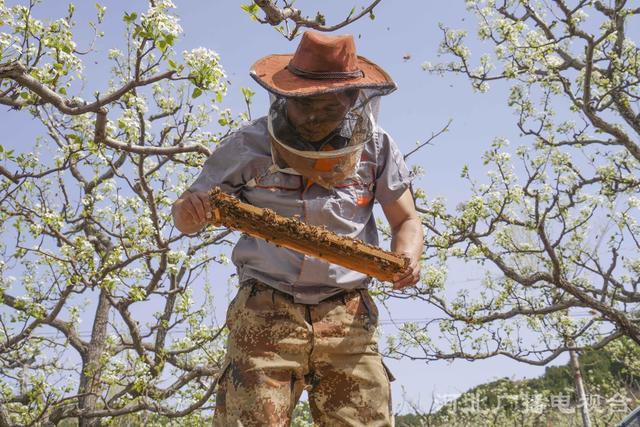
x=191 y=212
x=406 y=237
x=411 y=275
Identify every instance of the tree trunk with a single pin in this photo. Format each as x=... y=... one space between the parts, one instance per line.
x=580 y=394
x=90 y=376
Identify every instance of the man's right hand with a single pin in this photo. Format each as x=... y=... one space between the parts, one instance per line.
x=191 y=212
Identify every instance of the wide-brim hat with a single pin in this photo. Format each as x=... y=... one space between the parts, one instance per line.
x=321 y=64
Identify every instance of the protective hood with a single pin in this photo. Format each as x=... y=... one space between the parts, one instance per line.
x=334 y=158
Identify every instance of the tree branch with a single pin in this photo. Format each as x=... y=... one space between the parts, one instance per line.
x=275 y=15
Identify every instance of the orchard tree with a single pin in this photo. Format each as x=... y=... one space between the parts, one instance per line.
x=86 y=225
x=554 y=224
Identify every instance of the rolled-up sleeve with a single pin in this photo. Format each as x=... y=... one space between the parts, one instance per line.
x=225 y=167
x=392 y=174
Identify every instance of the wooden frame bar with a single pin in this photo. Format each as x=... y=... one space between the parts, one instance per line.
x=311 y=240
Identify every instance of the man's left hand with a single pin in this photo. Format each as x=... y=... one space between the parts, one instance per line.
x=407 y=237
x=410 y=276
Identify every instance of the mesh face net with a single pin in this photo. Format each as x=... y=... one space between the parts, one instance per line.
x=333 y=158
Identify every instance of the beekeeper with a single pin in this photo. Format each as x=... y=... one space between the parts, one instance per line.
x=298 y=322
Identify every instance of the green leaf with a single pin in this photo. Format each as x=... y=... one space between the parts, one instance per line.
x=251 y=9
x=137 y=293
x=196 y=92
x=371 y=15
x=247 y=93
x=127 y=18
x=101 y=9
x=24 y=95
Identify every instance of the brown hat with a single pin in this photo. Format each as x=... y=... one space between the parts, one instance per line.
x=321 y=64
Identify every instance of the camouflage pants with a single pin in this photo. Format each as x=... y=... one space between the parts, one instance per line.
x=278 y=348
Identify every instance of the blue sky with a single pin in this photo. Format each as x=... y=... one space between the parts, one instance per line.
x=403 y=36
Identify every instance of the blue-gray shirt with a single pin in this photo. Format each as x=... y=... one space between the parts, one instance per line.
x=241 y=166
